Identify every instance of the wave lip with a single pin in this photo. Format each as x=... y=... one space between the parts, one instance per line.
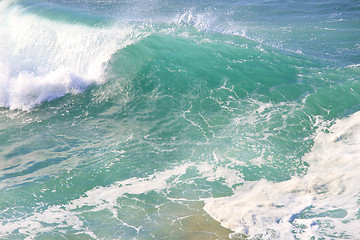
x=41 y=59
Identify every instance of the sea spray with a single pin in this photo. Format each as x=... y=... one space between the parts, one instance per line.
x=42 y=59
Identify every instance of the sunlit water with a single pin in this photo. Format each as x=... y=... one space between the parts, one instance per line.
x=179 y=119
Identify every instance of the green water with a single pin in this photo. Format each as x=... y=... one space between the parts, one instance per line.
x=121 y=129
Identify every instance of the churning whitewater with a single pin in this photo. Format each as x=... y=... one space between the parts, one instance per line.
x=187 y=119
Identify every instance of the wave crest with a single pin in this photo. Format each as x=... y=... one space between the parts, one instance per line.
x=41 y=59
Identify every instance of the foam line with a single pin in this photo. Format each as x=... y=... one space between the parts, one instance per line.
x=329 y=191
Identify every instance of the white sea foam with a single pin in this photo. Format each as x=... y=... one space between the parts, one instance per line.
x=100 y=198
x=42 y=59
x=353 y=66
x=68 y=216
x=212 y=172
x=259 y=209
x=329 y=192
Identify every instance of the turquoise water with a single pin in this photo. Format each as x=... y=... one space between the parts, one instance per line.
x=179 y=120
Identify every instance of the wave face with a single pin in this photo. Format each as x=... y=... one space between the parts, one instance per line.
x=179 y=120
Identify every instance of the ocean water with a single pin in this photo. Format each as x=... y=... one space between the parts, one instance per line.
x=163 y=119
